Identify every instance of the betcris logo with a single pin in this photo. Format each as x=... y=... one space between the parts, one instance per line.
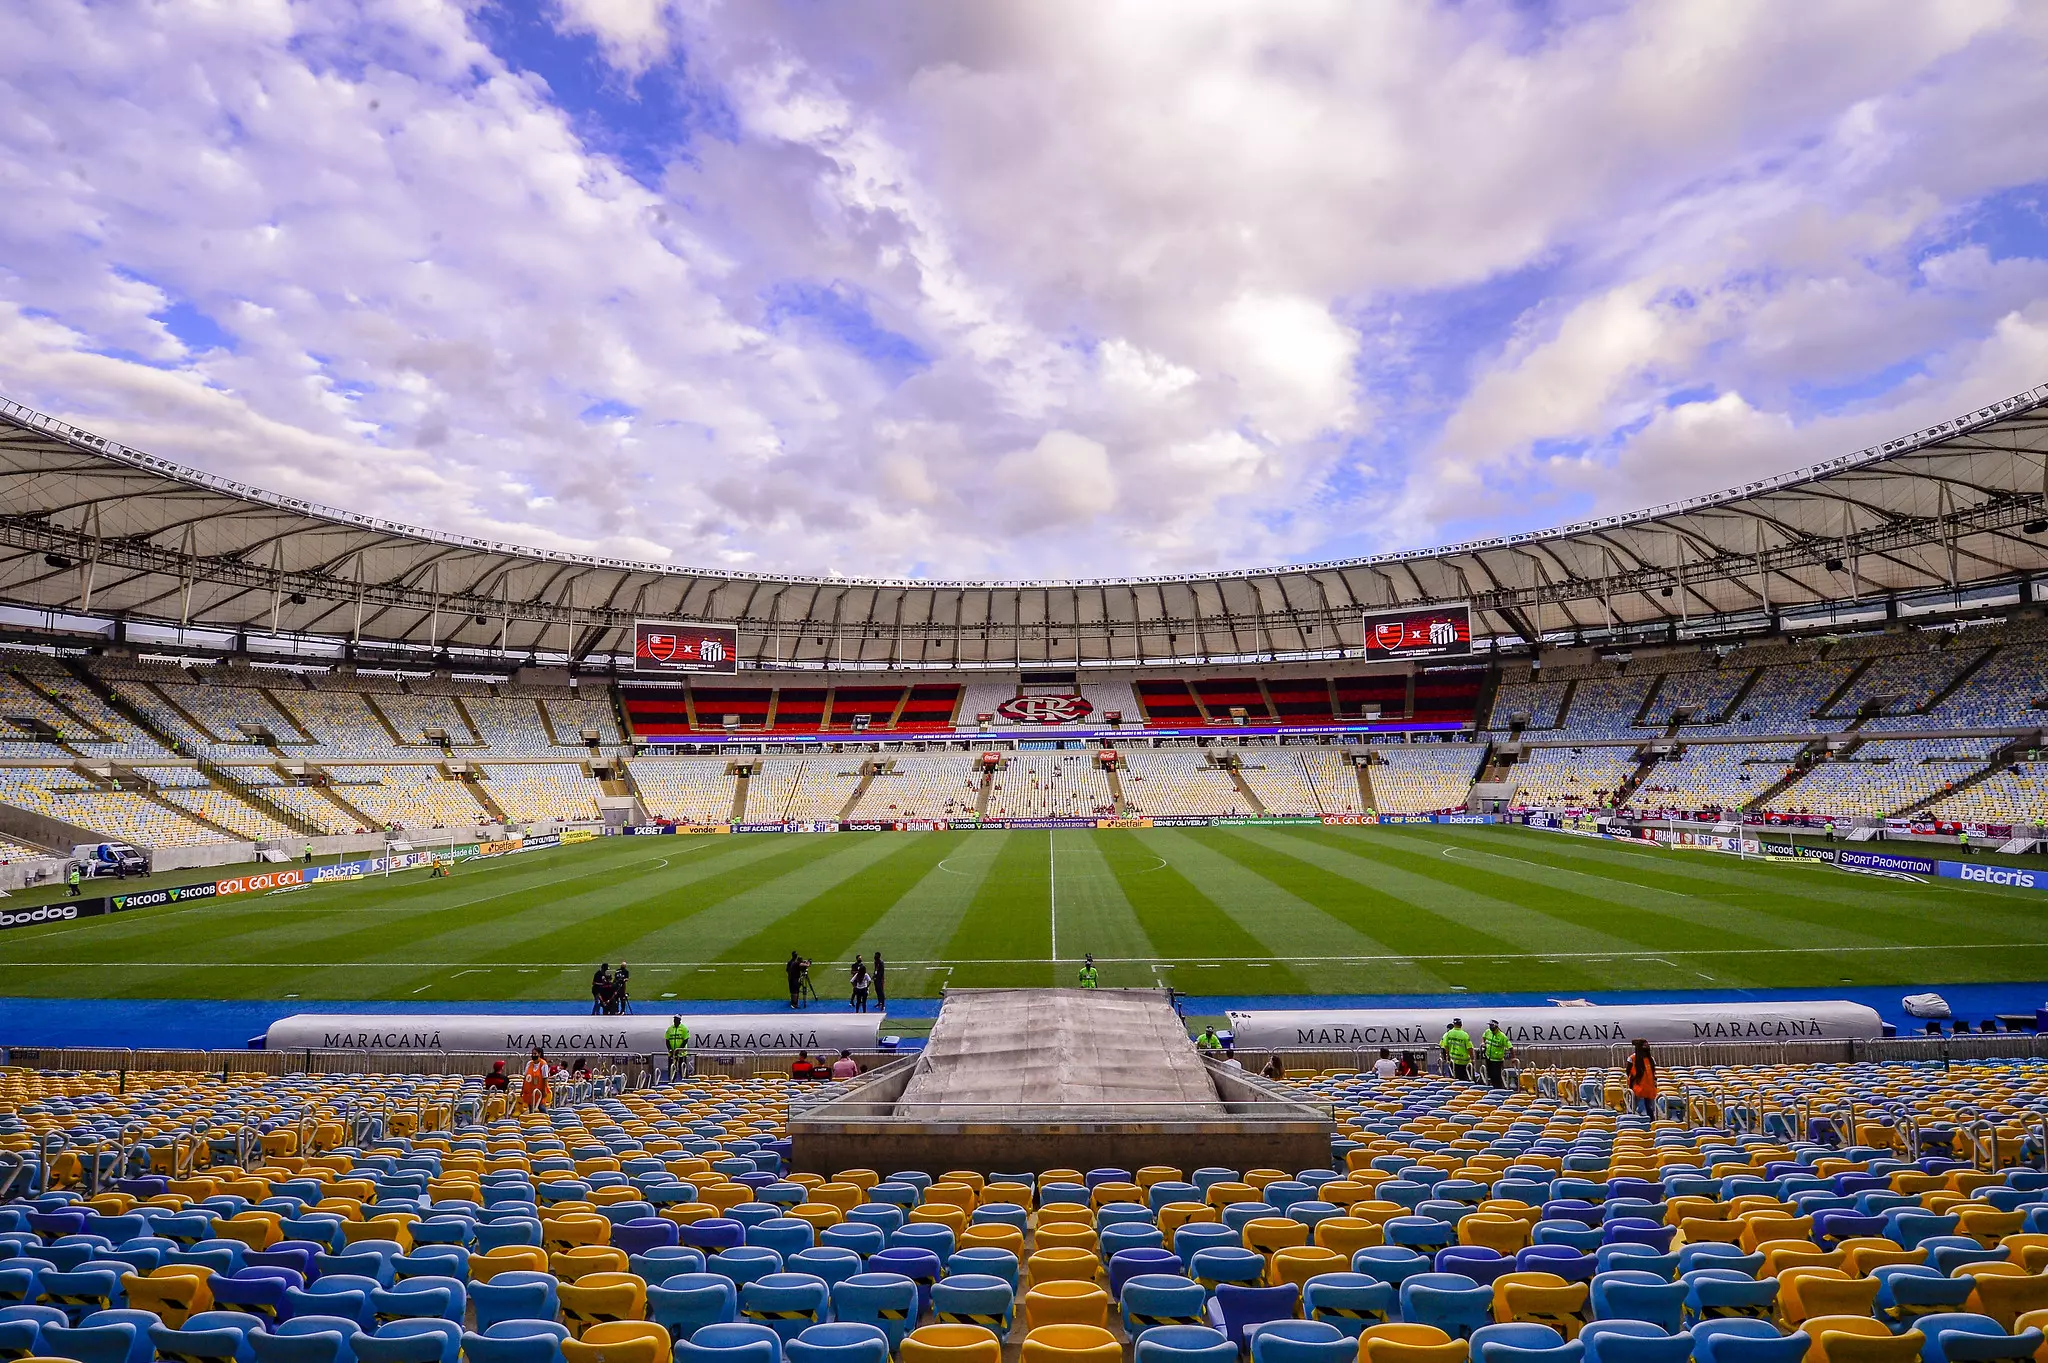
x=48 y=913
x=1994 y=875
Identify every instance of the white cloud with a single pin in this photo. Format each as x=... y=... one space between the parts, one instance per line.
x=1125 y=246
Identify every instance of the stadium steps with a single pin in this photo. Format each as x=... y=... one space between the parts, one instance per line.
x=867 y=778
x=483 y=798
x=248 y=796
x=56 y=702
x=1762 y=799
x=1564 y=704
x=1646 y=762
x=1116 y=791
x=1826 y=708
x=1735 y=702
x=193 y=816
x=398 y=740
x=1997 y=763
x=1957 y=682
x=1642 y=715
x=1252 y=801
x=988 y=785
x=119 y=704
x=742 y=778
x=1367 y=799
x=363 y=820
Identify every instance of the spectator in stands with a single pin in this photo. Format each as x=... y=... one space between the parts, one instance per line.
x=600 y=988
x=845 y=1067
x=496 y=1078
x=1642 y=1079
x=881 y=989
x=801 y=1067
x=533 y=1087
x=794 y=969
x=1408 y=1069
x=859 y=1000
x=1386 y=1067
x=1273 y=1069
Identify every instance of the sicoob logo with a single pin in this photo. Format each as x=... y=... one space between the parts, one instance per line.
x=1046 y=709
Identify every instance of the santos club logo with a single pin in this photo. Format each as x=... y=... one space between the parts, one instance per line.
x=1046 y=709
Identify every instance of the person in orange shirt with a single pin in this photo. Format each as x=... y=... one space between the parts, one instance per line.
x=533 y=1088
x=1642 y=1079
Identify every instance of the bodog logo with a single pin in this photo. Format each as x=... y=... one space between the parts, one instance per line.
x=49 y=913
x=1046 y=709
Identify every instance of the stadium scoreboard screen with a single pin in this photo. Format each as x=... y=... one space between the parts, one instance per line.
x=677 y=646
x=1428 y=632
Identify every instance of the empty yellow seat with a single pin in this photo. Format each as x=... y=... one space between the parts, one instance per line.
x=174 y=1292
x=1296 y=1264
x=951 y=1344
x=601 y=1297
x=1065 y=1302
x=1265 y=1234
x=1064 y=1343
x=1543 y=1298
x=1062 y=1263
x=619 y=1341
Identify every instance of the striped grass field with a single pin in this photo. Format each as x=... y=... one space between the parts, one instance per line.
x=1213 y=911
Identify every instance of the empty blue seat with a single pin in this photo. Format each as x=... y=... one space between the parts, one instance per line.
x=516 y=1341
x=974 y=1299
x=1513 y=1339
x=1633 y=1341
x=1389 y=1263
x=744 y=1263
x=888 y=1301
x=208 y=1335
x=1184 y=1344
x=1720 y=1294
x=1746 y=1341
x=1908 y=1292
x=1452 y=1302
x=1632 y=1295
x=921 y=1266
x=828 y=1263
x=860 y=1238
x=1226 y=1264
x=739 y=1342
x=713 y=1233
x=1237 y=1310
x=1153 y=1301
x=1301 y=1341
x=420 y=1298
x=687 y=1302
x=411 y=1341
x=1349 y=1301
x=994 y=1261
x=840 y=1342
x=784 y=1302
x=1480 y=1264
x=786 y=1235
x=1196 y=1236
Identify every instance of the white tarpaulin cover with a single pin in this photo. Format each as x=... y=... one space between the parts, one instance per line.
x=1023 y=1047
x=1599 y=1025
x=567 y=1034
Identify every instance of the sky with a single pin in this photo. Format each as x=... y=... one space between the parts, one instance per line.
x=1046 y=289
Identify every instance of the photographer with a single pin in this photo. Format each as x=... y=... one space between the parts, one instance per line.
x=798 y=971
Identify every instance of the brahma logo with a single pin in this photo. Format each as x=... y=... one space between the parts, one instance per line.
x=48 y=913
x=1069 y=709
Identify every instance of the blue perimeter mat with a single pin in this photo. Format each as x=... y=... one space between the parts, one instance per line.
x=204 y=1024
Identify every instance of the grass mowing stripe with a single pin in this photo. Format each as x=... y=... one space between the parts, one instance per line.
x=1594 y=912
x=1008 y=917
x=1177 y=916
x=1096 y=914
x=930 y=913
x=827 y=927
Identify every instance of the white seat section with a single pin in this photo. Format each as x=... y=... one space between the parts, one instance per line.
x=1276 y=777
x=117 y=816
x=509 y=725
x=1540 y=700
x=1335 y=781
x=407 y=796
x=342 y=724
x=571 y=716
x=529 y=791
x=685 y=789
x=1885 y=776
x=925 y=786
x=315 y=808
x=1715 y=776
x=1424 y=778
x=413 y=716
x=1605 y=707
x=1177 y=781
x=828 y=781
x=1055 y=785
x=121 y=741
x=1703 y=694
x=2016 y=795
x=1578 y=777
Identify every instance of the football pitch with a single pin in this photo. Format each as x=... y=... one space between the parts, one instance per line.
x=1231 y=911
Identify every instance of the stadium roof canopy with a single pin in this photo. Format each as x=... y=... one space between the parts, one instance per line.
x=93 y=531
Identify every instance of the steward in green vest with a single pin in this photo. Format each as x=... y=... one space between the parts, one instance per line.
x=677 y=1037
x=1494 y=1049
x=75 y=876
x=1208 y=1040
x=1089 y=974
x=1457 y=1048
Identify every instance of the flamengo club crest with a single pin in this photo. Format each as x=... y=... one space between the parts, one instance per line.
x=668 y=648
x=1046 y=709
